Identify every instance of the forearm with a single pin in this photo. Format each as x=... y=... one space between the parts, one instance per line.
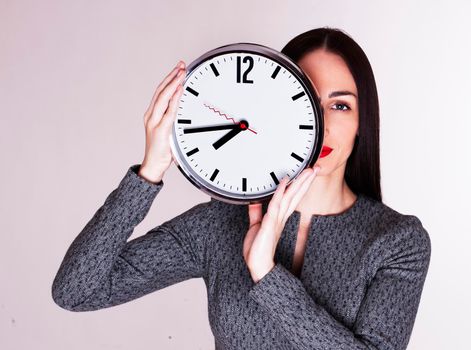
x=91 y=256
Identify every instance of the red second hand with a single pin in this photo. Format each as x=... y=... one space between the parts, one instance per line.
x=243 y=126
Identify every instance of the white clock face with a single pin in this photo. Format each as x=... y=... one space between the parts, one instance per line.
x=263 y=121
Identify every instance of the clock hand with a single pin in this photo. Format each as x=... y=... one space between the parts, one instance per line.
x=241 y=126
x=209 y=128
x=224 y=115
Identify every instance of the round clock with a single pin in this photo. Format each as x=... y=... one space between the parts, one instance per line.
x=248 y=117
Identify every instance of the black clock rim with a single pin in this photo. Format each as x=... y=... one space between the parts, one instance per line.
x=286 y=63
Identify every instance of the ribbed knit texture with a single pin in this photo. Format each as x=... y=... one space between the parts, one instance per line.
x=359 y=288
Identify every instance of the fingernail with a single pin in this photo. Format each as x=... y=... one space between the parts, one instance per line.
x=181 y=64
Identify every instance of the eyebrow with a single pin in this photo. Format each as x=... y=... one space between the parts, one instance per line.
x=339 y=93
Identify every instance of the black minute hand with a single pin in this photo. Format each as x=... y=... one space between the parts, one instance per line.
x=210 y=128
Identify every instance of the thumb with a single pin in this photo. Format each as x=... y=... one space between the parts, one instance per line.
x=255 y=213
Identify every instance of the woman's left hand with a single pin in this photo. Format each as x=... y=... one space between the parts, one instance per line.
x=262 y=237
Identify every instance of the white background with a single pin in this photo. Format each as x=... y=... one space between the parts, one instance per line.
x=75 y=80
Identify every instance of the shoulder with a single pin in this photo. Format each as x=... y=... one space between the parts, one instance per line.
x=210 y=215
x=392 y=231
x=231 y=216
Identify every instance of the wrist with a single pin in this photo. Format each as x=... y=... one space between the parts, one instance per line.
x=151 y=175
x=258 y=275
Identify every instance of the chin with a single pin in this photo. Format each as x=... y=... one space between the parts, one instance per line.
x=322 y=172
x=323 y=169
x=326 y=166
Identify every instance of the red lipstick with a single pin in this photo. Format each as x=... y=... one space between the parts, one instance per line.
x=325 y=151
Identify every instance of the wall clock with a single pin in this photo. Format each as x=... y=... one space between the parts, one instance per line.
x=247 y=117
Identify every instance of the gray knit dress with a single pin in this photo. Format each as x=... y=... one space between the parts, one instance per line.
x=359 y=287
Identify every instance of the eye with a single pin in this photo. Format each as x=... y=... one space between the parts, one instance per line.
x=341 y=106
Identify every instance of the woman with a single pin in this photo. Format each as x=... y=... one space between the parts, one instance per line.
x=324 y=265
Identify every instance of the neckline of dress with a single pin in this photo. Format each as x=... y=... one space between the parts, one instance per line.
x=349 y=212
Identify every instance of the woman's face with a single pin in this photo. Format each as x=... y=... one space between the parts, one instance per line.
x=336 y=88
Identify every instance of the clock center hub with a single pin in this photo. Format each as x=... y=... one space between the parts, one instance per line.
x=244 y=124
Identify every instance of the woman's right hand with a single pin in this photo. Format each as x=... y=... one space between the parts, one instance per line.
x=158 y=122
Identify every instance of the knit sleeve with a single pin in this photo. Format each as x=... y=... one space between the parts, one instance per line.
x=387 y=312
x=101 y=268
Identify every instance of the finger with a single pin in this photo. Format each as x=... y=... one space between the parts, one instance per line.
x=168 y=79
x=170 y=113
x=255 y=217
x=163 y=99
x=255 y=213
x=273 y=206
x=293 y=189
x=162 y=85
x=300 y=192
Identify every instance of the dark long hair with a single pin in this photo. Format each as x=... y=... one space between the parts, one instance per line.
x=362 y=172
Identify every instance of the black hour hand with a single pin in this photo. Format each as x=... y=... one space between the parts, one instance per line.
x=241 y=126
